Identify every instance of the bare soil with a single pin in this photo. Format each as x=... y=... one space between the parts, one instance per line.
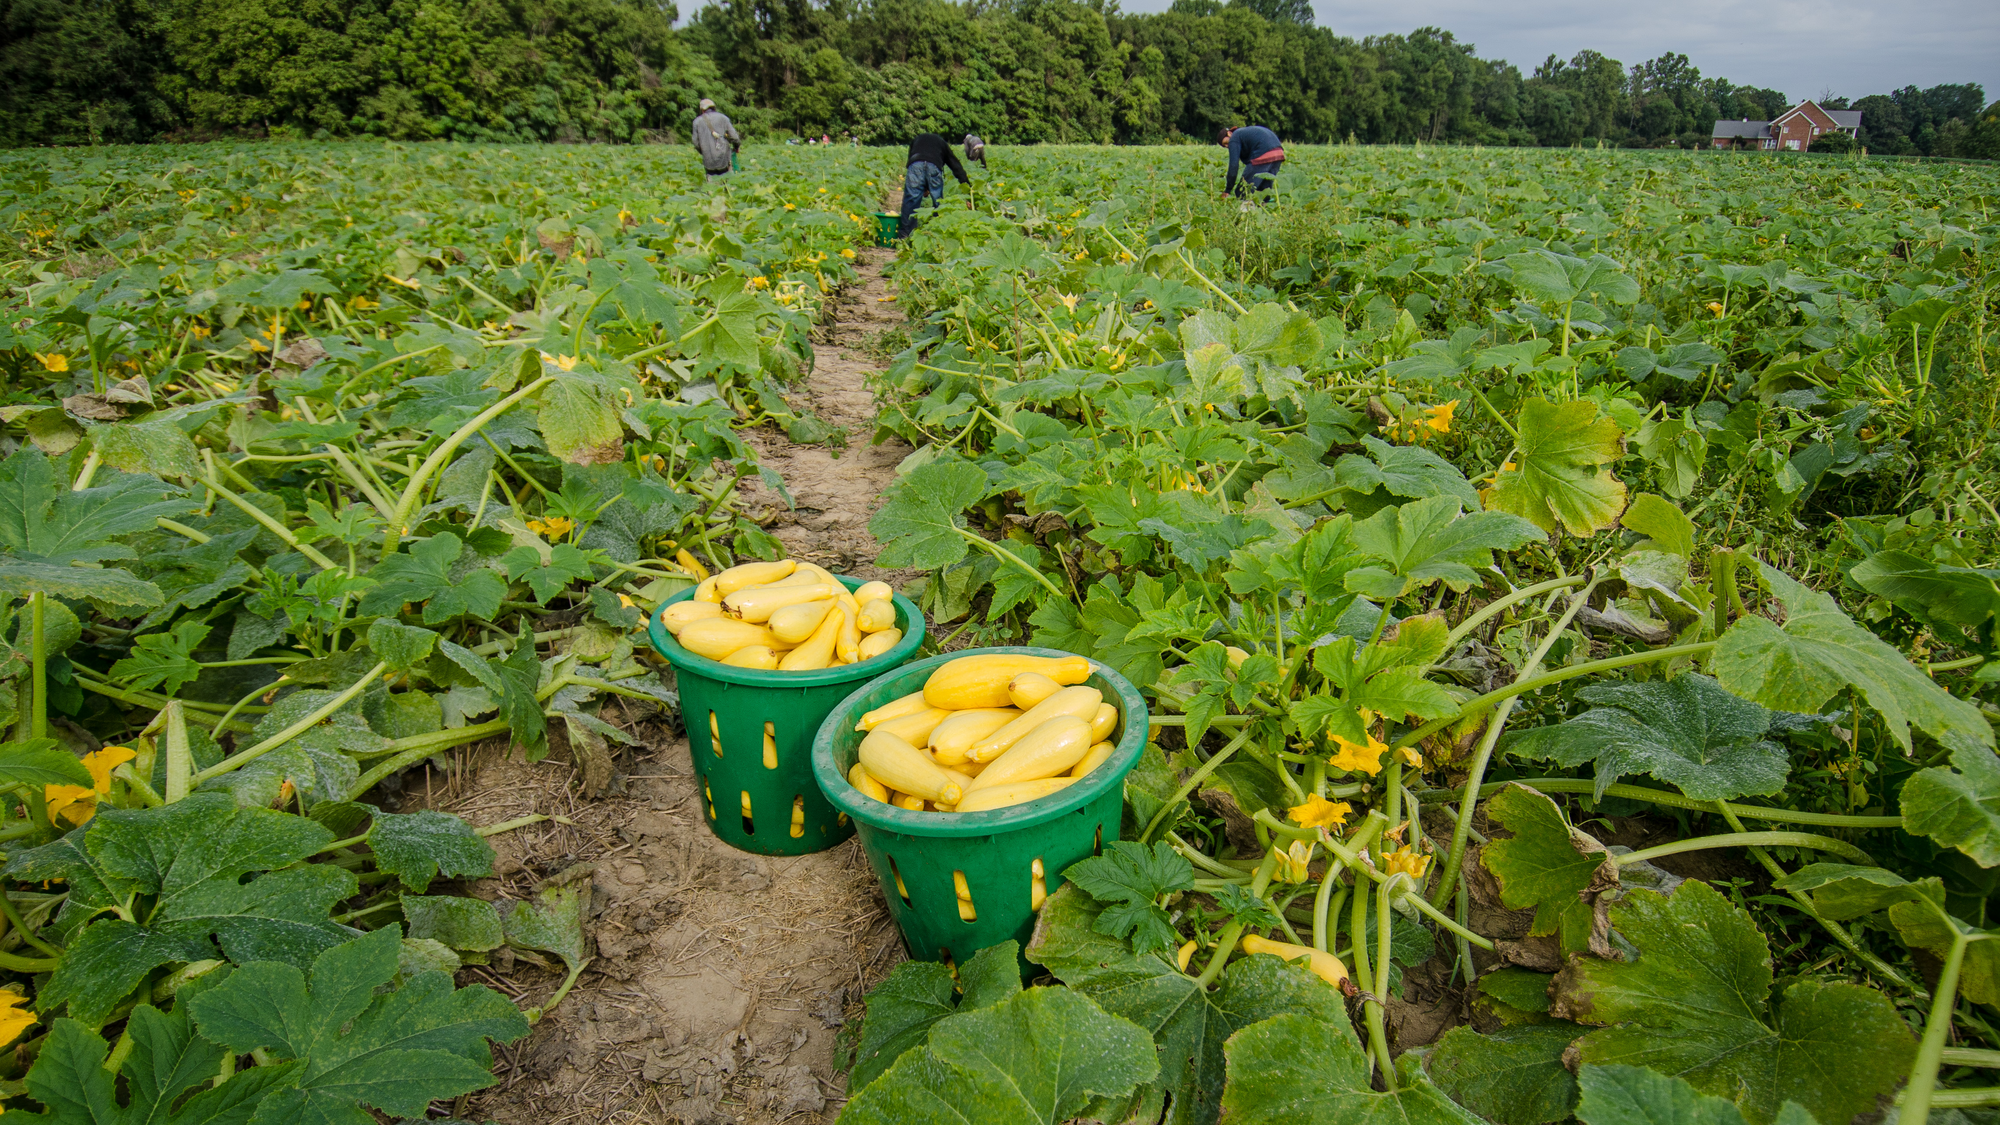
x=722 y=979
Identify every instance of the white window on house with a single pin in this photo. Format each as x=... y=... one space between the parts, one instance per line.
x=1793 y=145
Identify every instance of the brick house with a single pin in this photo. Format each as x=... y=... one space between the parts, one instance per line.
x=1793 y=131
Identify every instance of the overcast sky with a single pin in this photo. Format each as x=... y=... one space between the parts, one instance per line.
x=1850 y=47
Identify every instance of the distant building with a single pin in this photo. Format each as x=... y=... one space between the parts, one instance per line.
x=1793 y=131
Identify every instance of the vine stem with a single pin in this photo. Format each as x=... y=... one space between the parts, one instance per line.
x=293 y=731
x=1011 y=557
x=1225 y=943
x=415 y=488
x=1675 y=800
x=1487 y=611
x=1195 y=779
x=1378 y=1039
x=1747 y=840
x=1917 y=1091
x=1462 y=830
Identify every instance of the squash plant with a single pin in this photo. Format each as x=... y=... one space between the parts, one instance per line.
x=1429 y=560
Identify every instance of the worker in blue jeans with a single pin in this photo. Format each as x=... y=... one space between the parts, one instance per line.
x=923 y=177
x=1256 y=150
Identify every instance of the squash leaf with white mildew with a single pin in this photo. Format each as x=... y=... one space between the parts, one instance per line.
x=1687 y=731
x=417 y=847
x=918 y=995
x=1634 y=1095
x=1511 y=1076
x=1557 y=477
x=1036 y=1058
x=1293 y=1069
x=1697 y=1003
x=394 y=1051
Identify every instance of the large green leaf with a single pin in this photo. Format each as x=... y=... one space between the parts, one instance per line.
x=425 y=574
x=394 y=1051
x=1634 y=1095
x=108 y=586
x=1513 y=1076
x=1842 y=891
x=470 y=924
x=917 y=995
x=43 y=520
x=732 y=335
x=1188 y=1024
x=919 y=522
x=1959 y=808
x=1547 y=866
x=1687 y=731
x=1819 y=651
x=1129 y=879
x=1293 y=1069
x=580 y=423
x=163 y=660
x=193 y=856
x=38 y=762
x=417 y=847
x=1036 y=1058
x=167 y=1063
x=1696 y=1004
x=1428 y=541
x=1953 y=595
x=1558 y=478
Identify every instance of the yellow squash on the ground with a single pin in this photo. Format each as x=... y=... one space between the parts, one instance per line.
x=1324 y=965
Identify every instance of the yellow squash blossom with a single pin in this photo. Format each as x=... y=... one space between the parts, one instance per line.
x=1406 y=861
x=1357 y=757
x=1069 y=301
x=15 y=1016
x=760 y=282
x=76 y=803
x=554 y=527
x=1295 y=862
x=1715 y=307
x=1410 y=757
x=1440 y=416
x=848 y=254
x=54 y=361
x=1318 y=812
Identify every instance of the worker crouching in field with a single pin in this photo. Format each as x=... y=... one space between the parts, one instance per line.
x=716 y=139
x=1258 y=151
x=923 y=177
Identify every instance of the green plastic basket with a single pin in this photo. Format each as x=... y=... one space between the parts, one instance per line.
x=886 y=224
x=742 y=703
x=915 y=854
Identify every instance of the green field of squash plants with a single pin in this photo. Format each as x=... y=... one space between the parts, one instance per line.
x=1563 y=581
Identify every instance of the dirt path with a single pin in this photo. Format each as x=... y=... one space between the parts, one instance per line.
x=722 y=978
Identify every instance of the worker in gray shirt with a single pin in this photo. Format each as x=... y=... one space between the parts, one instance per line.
x=716 y=139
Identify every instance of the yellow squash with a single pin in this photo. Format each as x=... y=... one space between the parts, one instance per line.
x=981 y=680
x=677 y=616
x=717 y=637
x=906 y=769
x=907 y=705
x=759 y=603
x=817 y=650
x=752 y=656
x=1076 y=702
x=1104 y=722
x=908 y=801
x=1092 y=760
x=1030 y=688
x=915 y=729
x=794 y=623
x=869 y=591
x=705 y=591
x=847 y=644
x=953 y=739
x=875 y=644
x=744 y=575
x=861 y=779
x=877 y=615
x=686 y=560
x=1046 y=751
x=1324 y=965
x=1019 y=793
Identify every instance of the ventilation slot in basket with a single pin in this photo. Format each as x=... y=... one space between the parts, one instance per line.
x=897 y=875
x=798 y=817
x=749 y=827
x=714 y=735
x=771 y=747
x=1038 y=885
x=966 y=913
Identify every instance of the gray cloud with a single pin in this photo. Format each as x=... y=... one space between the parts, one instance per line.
x=1849 y=47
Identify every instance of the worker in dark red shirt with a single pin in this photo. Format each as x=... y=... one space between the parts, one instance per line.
x=1257 y=150
x=923 y=177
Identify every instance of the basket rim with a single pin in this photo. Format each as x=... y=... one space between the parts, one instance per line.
x=875 y=814
x=685 y=661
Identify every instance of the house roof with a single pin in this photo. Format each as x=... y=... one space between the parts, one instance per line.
x=1744 y=128
x=1845 y=118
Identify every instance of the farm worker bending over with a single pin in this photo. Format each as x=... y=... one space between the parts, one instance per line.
x=716 y=139
x=1257 y=147
x=924 y=176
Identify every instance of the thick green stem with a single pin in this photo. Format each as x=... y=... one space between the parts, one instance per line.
x=1499 y=605
x=1923 y=1073
x=414 y=490
x=1462 y=830
x=180 y=758
x=296 y=729
x=1195 y=779
x=1378 y=1038
x=1008 y=556
x=39 y=723
x=273 y=526
x=13 y=915
x=1751 y=839
x=432 y=744
x=1675 y=800
x=1225 y=943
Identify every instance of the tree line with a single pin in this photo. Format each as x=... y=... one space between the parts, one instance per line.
x=1013 y=71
